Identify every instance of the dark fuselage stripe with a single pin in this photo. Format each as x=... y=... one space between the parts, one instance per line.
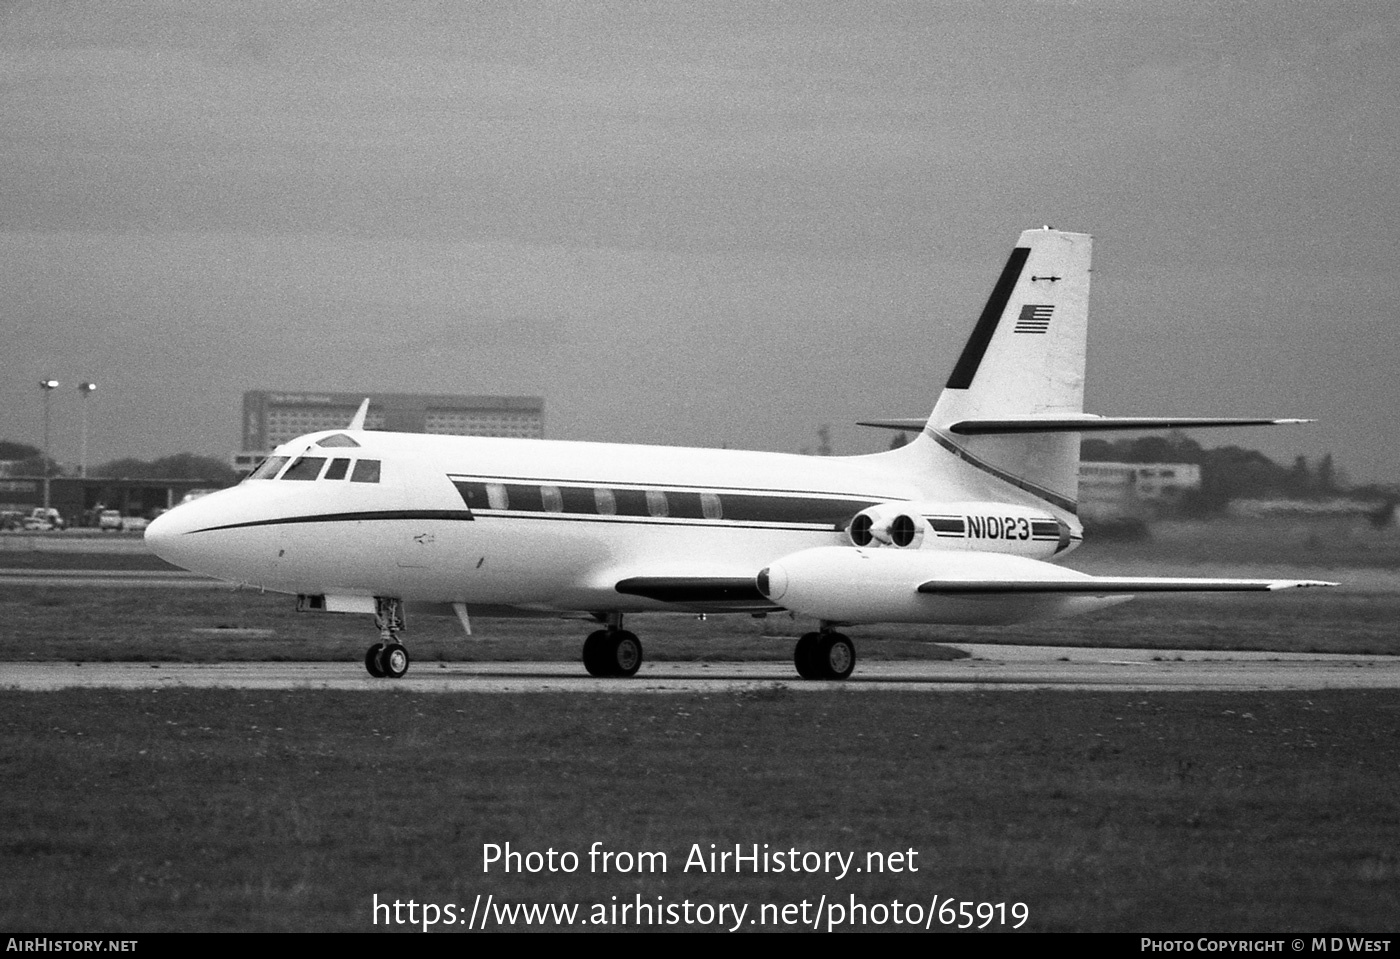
x=467 y=516
x=459 y=515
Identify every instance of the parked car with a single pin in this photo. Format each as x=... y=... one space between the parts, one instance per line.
x=110 y=519
x=135 y=524
x=44 y=518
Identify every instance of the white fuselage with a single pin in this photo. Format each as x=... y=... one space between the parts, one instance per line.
x=436 y=527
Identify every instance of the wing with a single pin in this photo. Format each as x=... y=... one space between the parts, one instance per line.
x=703 y=593
x=1105 y=585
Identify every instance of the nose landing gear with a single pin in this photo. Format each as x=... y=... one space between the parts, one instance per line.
x=387 y=658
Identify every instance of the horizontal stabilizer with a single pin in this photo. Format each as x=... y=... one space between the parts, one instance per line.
x=908 y=425
x=1081 y=423
x=1103 y=585
x=1088 y=423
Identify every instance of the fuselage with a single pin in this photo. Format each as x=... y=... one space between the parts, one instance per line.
x=546 y=525
x=543 y=524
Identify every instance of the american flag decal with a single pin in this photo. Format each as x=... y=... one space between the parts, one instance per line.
x=1034 y=318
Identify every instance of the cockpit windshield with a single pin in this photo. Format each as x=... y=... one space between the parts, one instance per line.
x=305 y=468
x=309 y=468
x=269 y=467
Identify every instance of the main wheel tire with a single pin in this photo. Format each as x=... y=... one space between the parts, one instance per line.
x=372 y=661
x=625 y=652
x=804 y=656
x=394 y=661
x=596 y=654
x=835 y=656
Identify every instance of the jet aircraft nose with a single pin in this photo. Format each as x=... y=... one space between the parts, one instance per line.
x=163 y=535
x=231 y=535
x=183 y=535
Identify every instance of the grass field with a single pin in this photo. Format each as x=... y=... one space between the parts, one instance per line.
x=227 y=810
x=1169 y=812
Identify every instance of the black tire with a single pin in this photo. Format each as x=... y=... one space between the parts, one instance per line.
x=804 y=656
x=625 y=654
x=596 y=654
x=372 y=661
x=835 y=656
x=394 y=661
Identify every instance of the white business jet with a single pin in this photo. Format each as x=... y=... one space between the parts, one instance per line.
x=957 y=526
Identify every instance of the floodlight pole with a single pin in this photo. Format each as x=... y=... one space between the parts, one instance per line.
x=47 y=386
x=84 y=390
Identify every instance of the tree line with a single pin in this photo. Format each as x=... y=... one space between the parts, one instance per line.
x=1227 y=472
x=28 y=460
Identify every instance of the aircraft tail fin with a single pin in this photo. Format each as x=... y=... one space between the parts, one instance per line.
x=1024 y=359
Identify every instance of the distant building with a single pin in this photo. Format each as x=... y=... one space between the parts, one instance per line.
x=272 y=418
x=1130 y=489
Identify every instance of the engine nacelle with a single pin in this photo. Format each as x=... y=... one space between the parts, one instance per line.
x=845 y=585
x=979 y=527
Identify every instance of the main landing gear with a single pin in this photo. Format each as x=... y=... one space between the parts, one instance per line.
x=612 y=651
x=387 y=658
x=824 y=655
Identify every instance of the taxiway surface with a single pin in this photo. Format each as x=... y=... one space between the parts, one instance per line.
x=987 y=667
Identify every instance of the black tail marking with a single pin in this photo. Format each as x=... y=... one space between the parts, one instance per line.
x=971 y=357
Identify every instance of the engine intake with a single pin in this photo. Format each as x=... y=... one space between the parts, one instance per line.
x=889 y=524
x=979 y=527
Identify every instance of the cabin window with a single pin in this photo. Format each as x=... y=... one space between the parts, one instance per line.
x=604 y=502
x=656 y=503
x=552 y=500
x=473 y=494
x=269 y=467
x=496 y=496
x=631 y=502
x=366 y=471
x=685 y=505
x=305 y=468
x=524 y=498
x=710 y=506
x=577 y=499
x=337 y=469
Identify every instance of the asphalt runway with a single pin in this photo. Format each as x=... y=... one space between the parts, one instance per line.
x=987 y=668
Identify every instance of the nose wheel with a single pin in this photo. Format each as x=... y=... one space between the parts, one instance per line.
x=387 y=659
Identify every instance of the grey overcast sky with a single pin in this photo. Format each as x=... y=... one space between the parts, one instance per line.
x=691 y=223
